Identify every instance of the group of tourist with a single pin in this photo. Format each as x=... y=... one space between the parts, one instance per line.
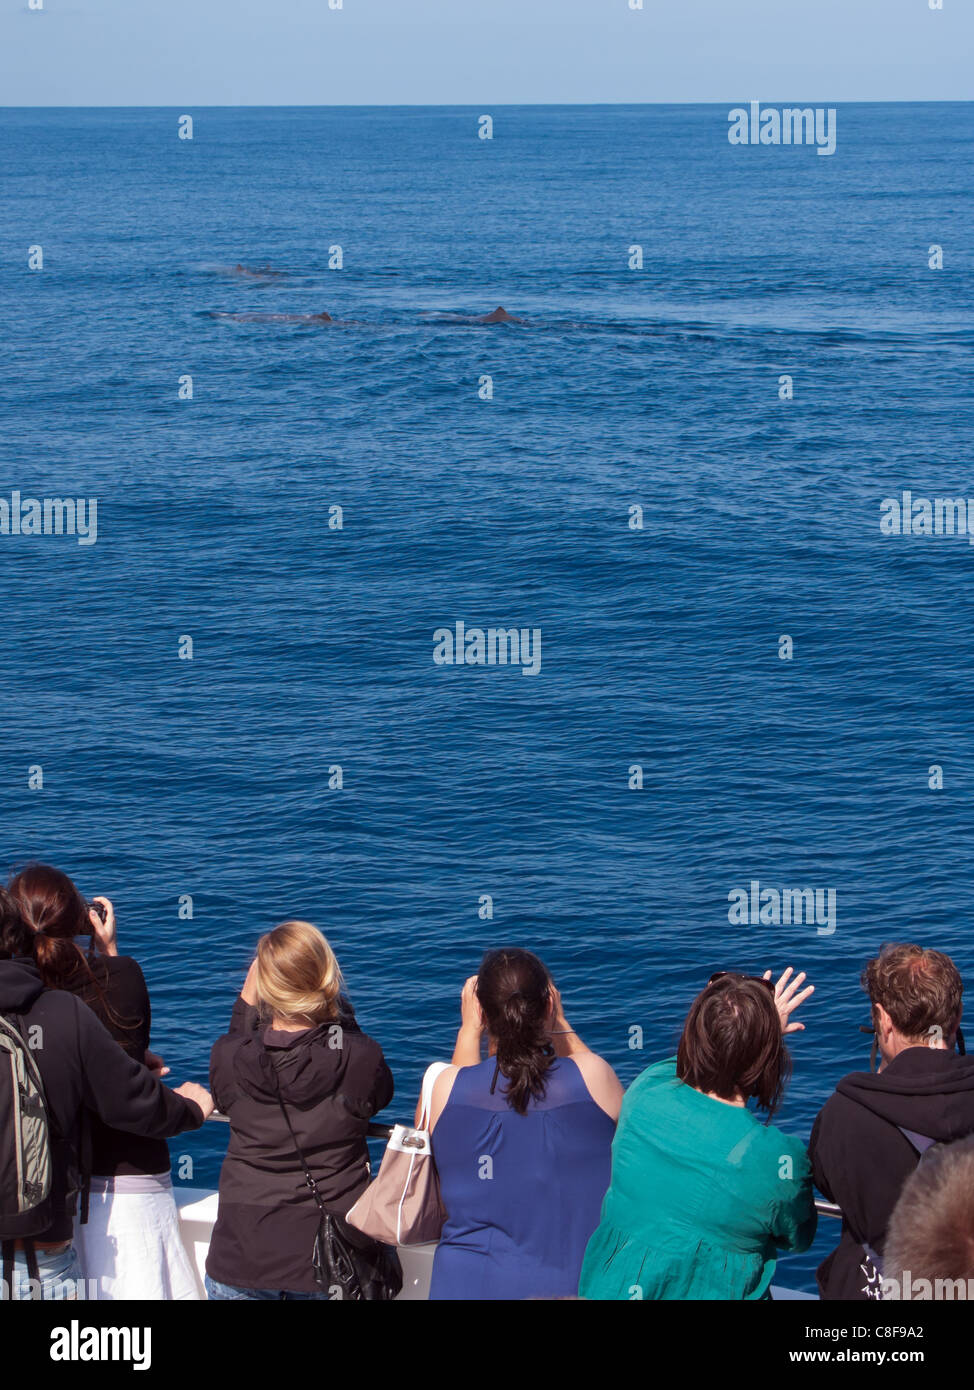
x=555 y=1181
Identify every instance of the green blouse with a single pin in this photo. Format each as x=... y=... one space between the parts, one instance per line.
x=702 y=1197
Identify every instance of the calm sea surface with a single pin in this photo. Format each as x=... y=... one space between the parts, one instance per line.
x=313 y=646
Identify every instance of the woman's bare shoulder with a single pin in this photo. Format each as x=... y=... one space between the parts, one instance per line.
x=602 y=1084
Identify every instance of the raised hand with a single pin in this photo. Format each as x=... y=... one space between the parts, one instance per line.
x=104 y=931
x=471 y=1015
x=470 y=1034
x=788 y=996
x=249 y=992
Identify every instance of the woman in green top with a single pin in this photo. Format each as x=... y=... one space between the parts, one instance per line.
x=703 y=1195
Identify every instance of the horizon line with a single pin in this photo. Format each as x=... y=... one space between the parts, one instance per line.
x=472 y=106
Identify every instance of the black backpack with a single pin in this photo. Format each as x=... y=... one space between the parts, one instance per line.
x=25 y=1151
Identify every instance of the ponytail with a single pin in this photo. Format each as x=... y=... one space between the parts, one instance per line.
x=514 y=991
x=61 y=962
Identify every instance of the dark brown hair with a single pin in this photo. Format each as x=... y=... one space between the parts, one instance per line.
x=15 y=935
x=920 y=990
x=56 y=913
x=732 y=1043
x=514 y=990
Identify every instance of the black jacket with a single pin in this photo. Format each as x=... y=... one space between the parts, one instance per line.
x=84 y=1070
x=267 y=1220
x=861 y=1160
x=128 y=1019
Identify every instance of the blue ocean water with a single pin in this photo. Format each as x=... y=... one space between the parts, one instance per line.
x=313 y=646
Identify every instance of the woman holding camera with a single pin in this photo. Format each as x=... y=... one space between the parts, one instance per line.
x=128 y=1240
x=522 y=1140
x=300 y=1082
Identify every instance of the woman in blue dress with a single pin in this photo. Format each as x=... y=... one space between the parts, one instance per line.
x=522 y=1139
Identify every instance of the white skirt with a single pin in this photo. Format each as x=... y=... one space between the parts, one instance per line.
x=130 y=1246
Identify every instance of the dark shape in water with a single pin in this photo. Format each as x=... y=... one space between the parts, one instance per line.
x=500 y=315
x=273 y=318
x=261 y=272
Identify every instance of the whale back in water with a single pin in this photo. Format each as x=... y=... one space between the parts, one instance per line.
x=261 y=272
x=500 y=315
x=275 y=318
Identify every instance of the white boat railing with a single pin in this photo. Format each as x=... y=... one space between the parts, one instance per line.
x=384 y=1131
x=198 y=1211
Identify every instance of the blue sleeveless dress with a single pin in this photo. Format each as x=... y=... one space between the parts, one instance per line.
x=523 y=1192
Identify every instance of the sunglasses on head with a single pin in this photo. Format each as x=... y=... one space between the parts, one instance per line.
x=736 y=975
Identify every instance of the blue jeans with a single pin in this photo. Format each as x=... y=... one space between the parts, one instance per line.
x=60 y=1276
x=227 y=1291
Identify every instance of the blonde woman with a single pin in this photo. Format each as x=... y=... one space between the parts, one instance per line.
x=293 y=1039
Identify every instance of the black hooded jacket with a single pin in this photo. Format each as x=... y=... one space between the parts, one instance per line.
x=333 y=1079
x=861 y=1160
x=84 y=1069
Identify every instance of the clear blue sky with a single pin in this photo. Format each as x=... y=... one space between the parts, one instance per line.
x=481 y=52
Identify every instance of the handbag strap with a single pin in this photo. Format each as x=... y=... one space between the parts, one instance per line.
x=267 y=1062
x=434 y=1070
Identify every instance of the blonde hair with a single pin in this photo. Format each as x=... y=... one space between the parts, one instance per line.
x=298 y=977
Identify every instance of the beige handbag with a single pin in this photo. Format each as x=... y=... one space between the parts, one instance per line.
x=402 y=1206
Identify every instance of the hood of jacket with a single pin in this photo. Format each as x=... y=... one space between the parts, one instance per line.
x=925 y=1089
x=309 y=1066
x=20 y=986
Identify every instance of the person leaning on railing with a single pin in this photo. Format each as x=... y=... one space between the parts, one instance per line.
x=870 y=1134
x=300 y=1082
x=85 y=1076
x=129 y=1243
x=703 y=1196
